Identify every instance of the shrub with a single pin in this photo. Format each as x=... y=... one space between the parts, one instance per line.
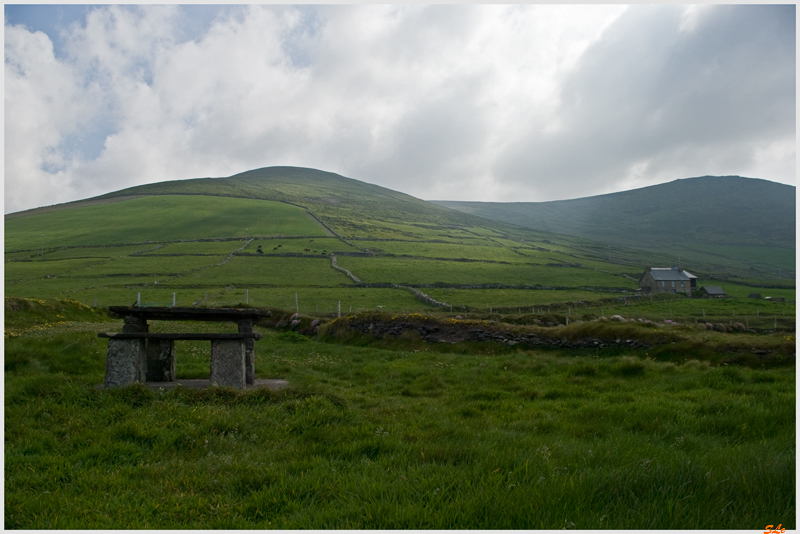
x=291 y=337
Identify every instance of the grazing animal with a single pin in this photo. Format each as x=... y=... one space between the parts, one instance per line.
x=276 y=248
x=306 y=250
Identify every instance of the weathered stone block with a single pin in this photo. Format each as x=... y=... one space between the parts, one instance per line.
x=228 y=363
x=246 y=327
x=126 y=362
x=160 y=360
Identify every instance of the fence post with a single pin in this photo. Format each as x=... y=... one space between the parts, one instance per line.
x=173 y=300
x=138 y=298
x=340 y=308
x=247 y=296
x=296 y=305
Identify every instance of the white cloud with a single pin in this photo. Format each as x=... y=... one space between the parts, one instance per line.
x=513 y=102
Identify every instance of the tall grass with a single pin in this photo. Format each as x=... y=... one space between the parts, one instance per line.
x=406 y=436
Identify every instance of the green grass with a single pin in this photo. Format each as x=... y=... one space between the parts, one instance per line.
x=149 y=265
x=750 y=312
x=412 y=271
x=524 y=299
x=268 y=271
x=217 y=248
x=158 y=218
x=82 y=252
x=443 y=250
x=24 y=270
x=423 y=437
x=743 y=290
x=82 y=263
x=392 y=432
x=748 y=228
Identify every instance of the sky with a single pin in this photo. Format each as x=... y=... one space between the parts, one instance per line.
x=503 y=103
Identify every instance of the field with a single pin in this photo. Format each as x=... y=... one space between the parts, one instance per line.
x=159 y=218
x=396 y=435
x=661 y=412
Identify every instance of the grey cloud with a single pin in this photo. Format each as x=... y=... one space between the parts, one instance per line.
x=648 y=95
x=432 y=139
x=435 y=101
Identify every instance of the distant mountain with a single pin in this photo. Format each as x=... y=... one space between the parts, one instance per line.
x=708 y=213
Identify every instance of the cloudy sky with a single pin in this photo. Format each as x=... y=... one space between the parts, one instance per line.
x=449 y=102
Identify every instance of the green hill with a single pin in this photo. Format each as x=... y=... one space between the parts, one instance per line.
x=742 y=222
x=293 y=237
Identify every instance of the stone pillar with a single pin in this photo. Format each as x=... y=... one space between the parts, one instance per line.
x=126 y=362
x=136 y=325
x=246 y=327
x=160 y=360
x=227 y=363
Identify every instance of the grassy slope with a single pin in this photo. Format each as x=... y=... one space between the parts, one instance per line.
x=156 y=219
x=734 y=220
x=394 y=435
x=88 y=253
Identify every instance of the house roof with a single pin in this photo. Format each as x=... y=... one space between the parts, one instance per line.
x=713 y=290
x=667 y=274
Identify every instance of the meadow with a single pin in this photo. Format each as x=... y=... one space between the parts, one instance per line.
x=159 y=218
x=402 y=435
x=415 y=271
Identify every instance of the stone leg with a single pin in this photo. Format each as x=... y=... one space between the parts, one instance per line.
x=126 y=362
x=227 y=363
x=250 y=361
x=160 y=360
x=246 y=327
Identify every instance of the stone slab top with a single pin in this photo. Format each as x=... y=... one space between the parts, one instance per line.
x=184 y=336
x=187 y=314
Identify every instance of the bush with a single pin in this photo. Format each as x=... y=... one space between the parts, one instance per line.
x=291 y=337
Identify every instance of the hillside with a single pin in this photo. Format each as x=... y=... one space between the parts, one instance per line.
x=749 y=221
x=338 y=199
x=310 y=240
